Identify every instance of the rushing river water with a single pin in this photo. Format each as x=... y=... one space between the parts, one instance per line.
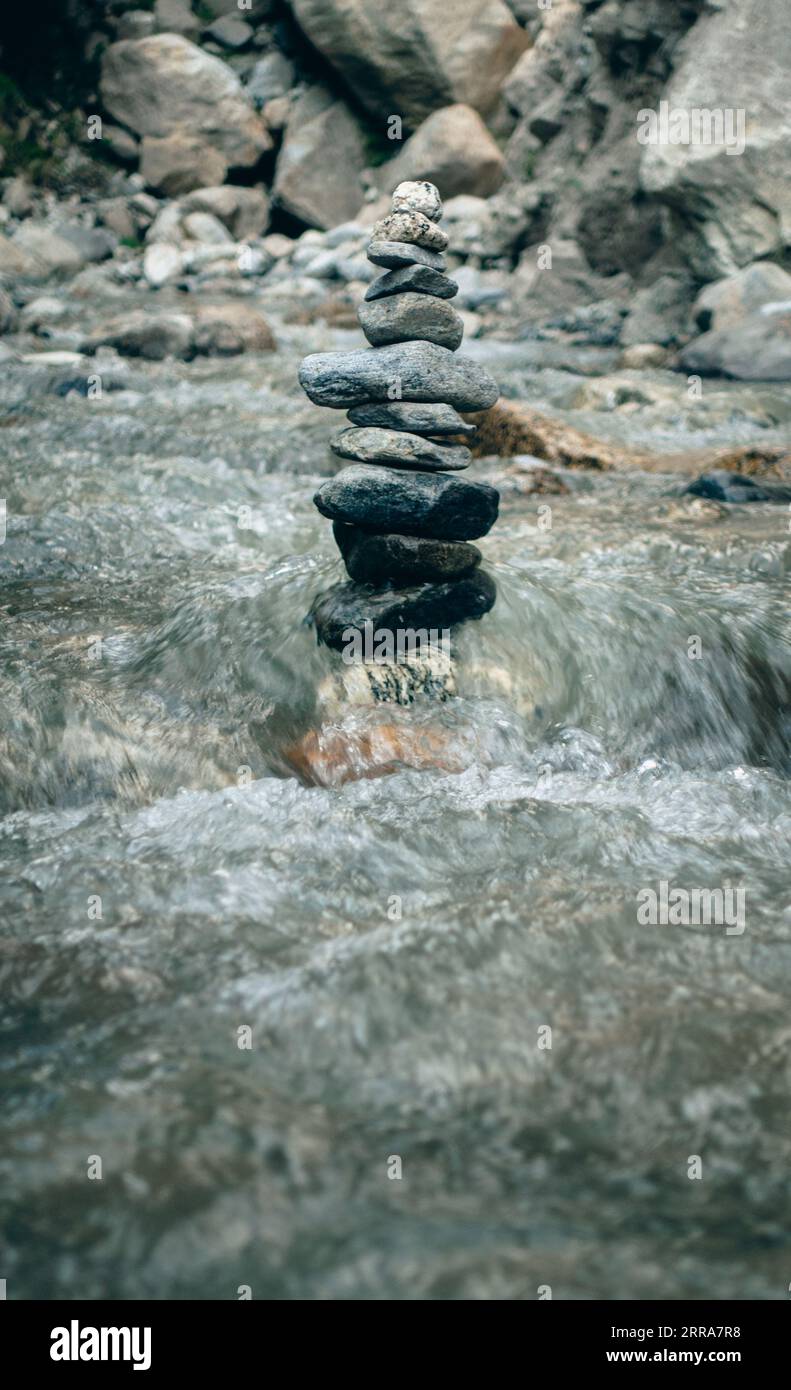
x=397 y=945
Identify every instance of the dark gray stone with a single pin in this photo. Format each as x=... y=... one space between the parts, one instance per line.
x=393 y=254
x=428 y=606
x=410 y=504
x=721 y=486
x=419 y=278
x=402 y=318
x=379 y=560
x=411 y=416
x=420 y=371
x=399 y=450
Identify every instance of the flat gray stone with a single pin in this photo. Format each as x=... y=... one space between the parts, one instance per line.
x=411 y=416
x=419 y=278
x=393 y=254
x=412 y=371
x=399 y=450
x=402 y=318
x=409 y=504
x=428 y=606
x=402 y=560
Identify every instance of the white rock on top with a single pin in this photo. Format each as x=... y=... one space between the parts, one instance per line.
x=418 y=197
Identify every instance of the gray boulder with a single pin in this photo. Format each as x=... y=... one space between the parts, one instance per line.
x=317 y=176
x=416 y=56
x=404 y=371
x=164 y=83
x=756 y=349
x=452 y=149
x=732 y=207
x=731 y=300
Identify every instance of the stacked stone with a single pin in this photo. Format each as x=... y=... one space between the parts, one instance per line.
x=403 y=521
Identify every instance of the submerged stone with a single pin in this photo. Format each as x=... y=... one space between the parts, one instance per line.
x=375 y=559
x=410 y=504
x=345 y=609
x=399 y=450
x=401 y=318
x=412 y=371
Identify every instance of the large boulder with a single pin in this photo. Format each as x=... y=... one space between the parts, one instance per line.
x=728 y=302
x=452 y=149
x=164 y=84
x=411 y=58
x=317 y=178
x=177 y=163
x=757 y=348
x=733 y=206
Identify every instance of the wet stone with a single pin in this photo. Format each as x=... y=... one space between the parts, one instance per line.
x=411 y=416
x=402 y=318
x=421 y=279
x=402 y=560
x=399 y=450
x=426 y=607
x=409 y=503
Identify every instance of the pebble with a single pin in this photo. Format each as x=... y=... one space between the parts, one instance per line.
x=412 y=227
x=394 y=254
x=418 y=196
x=399 y=450
x=413 y=371
x=409 y=504
x=377 y=559
x=420 y=278
x=425 y=607
x=411 y=416
x=401 y=318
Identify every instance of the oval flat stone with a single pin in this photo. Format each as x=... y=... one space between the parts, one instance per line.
x=410 y=226
x=411 y=371
x=412 y=416
x=419 y=278
x=409 y=504
x=427 y=607
x=393 y=254
x=402 y=318
x=399 y=450
x=378 y=560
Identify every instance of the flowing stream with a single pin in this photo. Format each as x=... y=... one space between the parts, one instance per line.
x=399 y=945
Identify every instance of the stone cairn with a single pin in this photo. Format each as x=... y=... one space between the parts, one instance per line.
x=402 y=519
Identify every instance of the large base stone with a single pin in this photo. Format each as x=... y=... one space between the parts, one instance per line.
x=349 y=607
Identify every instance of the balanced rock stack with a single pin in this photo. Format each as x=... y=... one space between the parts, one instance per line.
x=402 y=518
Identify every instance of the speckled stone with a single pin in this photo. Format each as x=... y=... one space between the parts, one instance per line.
x=399 y=450
x=411 y=416
x=418 y=196
x=412 y=227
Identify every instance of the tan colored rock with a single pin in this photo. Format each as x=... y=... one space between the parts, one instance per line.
x=510 y=428
x=412 y=227
x=244 y=211
x=177 y=163
x=164 y=83
x=452 y=149
x=416 y=56
x=225 y=330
